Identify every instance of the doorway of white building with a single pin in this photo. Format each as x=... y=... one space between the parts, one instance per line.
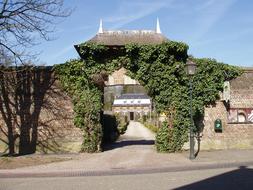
x=131 y=116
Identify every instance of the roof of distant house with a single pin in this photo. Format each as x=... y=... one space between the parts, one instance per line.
x=132 y=100
x=133 y=96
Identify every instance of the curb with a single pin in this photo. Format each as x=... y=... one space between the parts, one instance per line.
x=124 y=171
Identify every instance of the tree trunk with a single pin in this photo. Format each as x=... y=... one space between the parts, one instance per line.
x=11 y=141
x=5 y=111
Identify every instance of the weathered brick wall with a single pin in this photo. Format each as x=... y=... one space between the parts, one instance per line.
x=120 y=77
x=237 y=135
x=56 y=131
x=56 y=119
x=241 y=90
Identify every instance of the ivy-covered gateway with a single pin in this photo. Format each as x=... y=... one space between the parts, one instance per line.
x=160 y=69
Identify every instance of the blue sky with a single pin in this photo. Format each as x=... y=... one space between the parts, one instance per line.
x=220 y=29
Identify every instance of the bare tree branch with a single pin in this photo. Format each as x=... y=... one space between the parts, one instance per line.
x=24 y=22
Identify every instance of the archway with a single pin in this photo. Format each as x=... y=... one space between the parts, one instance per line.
x=125 y=98
x=159 y=68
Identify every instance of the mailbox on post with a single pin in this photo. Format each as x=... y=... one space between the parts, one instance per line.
x=218 y=125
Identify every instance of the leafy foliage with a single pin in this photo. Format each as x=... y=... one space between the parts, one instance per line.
x=83 y=80
x=87 y=106
x=122 y=124
x=167 y=139
x=160 y=69
x=151 y=127
x=110 y=130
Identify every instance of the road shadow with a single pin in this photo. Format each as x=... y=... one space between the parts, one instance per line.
x=240 y=178
x=124 y=143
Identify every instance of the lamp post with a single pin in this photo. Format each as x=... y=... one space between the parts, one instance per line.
x=190 y=70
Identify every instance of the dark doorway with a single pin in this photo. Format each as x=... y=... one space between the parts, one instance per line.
x=131 y=116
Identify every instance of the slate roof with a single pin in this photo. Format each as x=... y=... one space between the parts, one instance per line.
x=134 y=96
x=129 y=105
x=120 y=38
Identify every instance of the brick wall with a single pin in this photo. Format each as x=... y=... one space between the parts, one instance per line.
x=234 y=135
x=56 y=131
x=57 y=118
x=119 y=77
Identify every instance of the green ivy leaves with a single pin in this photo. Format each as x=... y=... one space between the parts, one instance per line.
x=160 y=69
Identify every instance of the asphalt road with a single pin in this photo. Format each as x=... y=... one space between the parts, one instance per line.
x=208 y=179
x=128 y=165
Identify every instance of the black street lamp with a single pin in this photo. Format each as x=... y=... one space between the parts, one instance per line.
x=190 y=68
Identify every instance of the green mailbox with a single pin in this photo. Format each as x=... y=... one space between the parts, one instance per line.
x=218 y=125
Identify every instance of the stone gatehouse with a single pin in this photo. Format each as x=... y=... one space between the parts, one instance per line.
x=235 y=110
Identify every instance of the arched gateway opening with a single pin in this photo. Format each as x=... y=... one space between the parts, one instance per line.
x=124 y=97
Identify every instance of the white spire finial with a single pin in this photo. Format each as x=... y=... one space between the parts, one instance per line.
x=100 y=30
x=158 y=30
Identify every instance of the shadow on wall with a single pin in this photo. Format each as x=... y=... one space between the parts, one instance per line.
x=29 y=107
x=237 y=179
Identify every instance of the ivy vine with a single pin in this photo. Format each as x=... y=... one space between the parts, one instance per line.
x=160 y=69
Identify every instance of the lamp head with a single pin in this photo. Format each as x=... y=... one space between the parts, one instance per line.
x=190 y=67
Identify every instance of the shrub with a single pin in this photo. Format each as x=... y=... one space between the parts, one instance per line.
x=110 y=128
x=168 y=139
x=122 y=124
x=153 y=128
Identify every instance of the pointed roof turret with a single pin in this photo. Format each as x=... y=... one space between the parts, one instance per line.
x=118 y=38
x=100 y=30
x=158 y=30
